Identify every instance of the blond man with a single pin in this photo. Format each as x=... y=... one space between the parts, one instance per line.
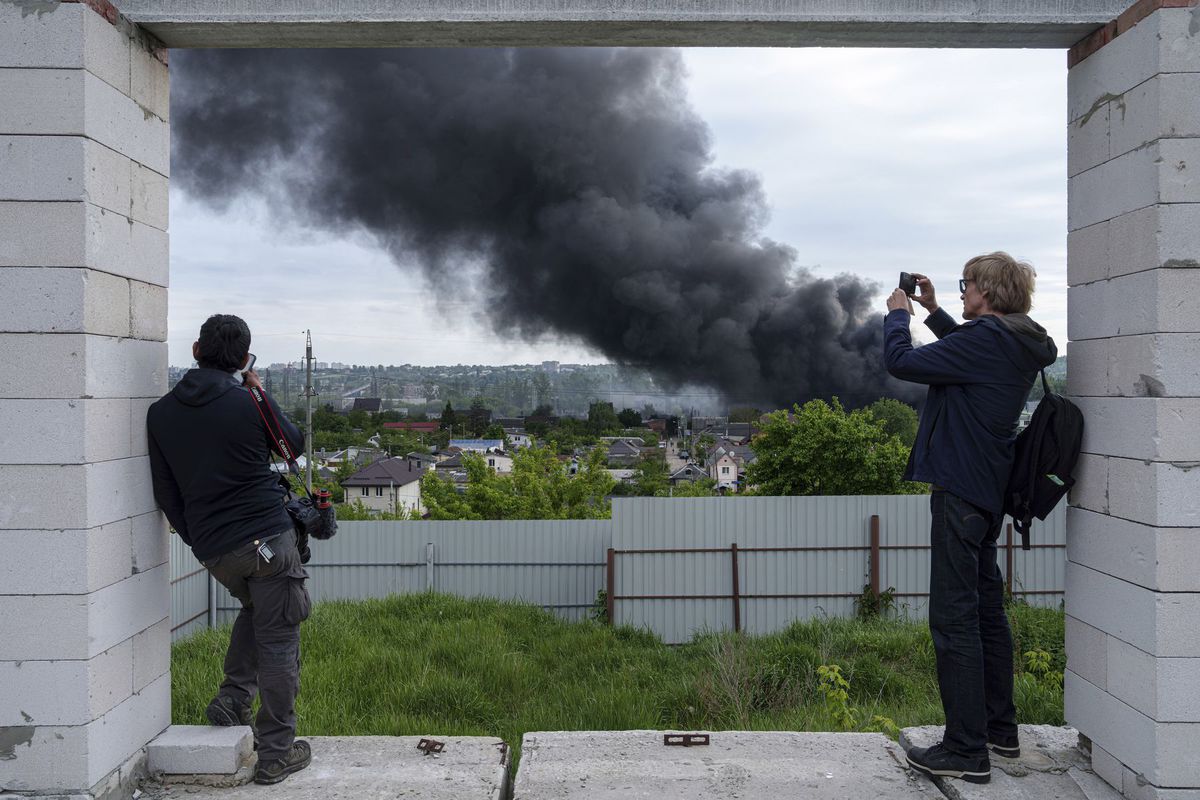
x=979 y=375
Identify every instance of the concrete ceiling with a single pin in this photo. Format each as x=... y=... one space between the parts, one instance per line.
x=683 y=23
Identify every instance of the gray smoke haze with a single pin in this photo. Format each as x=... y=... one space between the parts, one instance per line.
x=575 y=187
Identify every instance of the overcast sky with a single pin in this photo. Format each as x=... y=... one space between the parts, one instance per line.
x=874 y=161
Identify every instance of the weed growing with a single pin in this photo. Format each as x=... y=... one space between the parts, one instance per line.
x=435 y=664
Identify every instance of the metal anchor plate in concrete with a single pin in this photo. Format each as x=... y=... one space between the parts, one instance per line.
x=607 y=765
x=344 y=767
x=1051 y=767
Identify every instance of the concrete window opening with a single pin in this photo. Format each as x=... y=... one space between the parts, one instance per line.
x=84 y=171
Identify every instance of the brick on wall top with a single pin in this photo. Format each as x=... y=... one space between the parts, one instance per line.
x=1130 y=17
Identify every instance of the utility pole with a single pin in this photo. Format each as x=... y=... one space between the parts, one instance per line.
x=309 y=394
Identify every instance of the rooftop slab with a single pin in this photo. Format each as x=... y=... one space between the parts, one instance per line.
x=680 y=23
x=469 y=768
x=1051 y=767
x=607 y=765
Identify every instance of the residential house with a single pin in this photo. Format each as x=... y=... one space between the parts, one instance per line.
x=389 y=484
x=359 y=456
x=498 y=460
x=688 y=473
x=727 y=464
x=418 y=427
x=623 y=453
x=372 y=404
x=623 y=475
x=478 y=445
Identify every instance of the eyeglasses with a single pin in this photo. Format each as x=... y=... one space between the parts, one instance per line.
x=962 y=284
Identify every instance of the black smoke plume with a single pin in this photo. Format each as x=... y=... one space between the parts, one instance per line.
x=579 y=184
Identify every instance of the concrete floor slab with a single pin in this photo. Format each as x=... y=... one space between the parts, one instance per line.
x=1051 y=767
x=469 y=768
x=607 y=765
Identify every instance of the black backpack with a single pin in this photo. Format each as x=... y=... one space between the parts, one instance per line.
x=1046 y=452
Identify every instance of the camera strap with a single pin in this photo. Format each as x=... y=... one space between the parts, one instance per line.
x=275 y=431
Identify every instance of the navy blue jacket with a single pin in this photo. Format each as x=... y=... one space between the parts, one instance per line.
x=210 y=460
x=979 y=375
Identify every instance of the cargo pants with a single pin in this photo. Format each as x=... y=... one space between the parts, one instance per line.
x=264 y=650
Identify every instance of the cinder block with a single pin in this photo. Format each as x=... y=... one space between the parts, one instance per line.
x=47 y=497
x=1155 y=301
x=93 y=366
x=129 y=727
x=138 y=407
x=118 y=489
x=63 y=168
x=64 y=300
x=106 y=50
x=1087 y=139
x=121 y=611
x=1158 y=236
x=150 y=201
x=1163 y=107
x=51 y=37
x=64 y=562
x=42 y=234
x=123 y=247
x=148 y=311
x=1160 y=43
x=126 y=367
x=1131 y=181
x=1088 y=254
x=1159 y=429
x=1087 y=651
x=116 y=120
x=63 y=431
x=54 y=757
x=151 y=654
x=1107 y=766
x=1091 y=485
x=64 y=692
x=199 y=750
x=1154 y=493
x=1158 y=365
x=150 y=83
x=1132 y=676
x=1160 y=559
x=1088 y=373
x=1159 y=623
x=151 y=545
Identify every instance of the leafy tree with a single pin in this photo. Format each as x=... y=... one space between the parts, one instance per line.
x=478 y=416
x=705 y=487
x=358 y=419
x=494 y=431
x=537 y=488
x=602 y=419
x=823 y=450
x=543 y=410
x=651 y=478
x=897 y=418
x=449 y=420
x=630 y=418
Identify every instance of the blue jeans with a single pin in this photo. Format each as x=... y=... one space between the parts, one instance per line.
x=971 y=637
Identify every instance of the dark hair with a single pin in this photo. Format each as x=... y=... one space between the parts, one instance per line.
x=224 y=342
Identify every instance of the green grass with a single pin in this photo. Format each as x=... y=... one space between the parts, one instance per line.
x=435 y=664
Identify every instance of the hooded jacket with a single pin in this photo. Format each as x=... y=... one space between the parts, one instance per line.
x=210 y=459
x=979 y=375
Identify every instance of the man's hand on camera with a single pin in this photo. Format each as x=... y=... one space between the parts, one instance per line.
x=926 y=298
x=251 y=380
x=898 y=299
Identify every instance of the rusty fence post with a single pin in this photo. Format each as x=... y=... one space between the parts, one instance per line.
x=1008 y=560
x=875 y=555
x=737 y=600
x=611 y=583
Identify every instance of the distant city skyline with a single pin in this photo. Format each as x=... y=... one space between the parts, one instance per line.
x=872 y=161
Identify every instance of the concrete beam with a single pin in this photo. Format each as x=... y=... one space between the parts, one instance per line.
x=675 y=23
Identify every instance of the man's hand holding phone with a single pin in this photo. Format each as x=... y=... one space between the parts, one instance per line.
x=926 y=298
x=249 y=376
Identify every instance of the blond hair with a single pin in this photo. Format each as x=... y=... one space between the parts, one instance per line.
x=1006 y=282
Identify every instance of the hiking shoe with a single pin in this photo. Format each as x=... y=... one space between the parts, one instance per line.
x=298 y=757
x=937 y=761
x=224 y=712
x=1005 y=748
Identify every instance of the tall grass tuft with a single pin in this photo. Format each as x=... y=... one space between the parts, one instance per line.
x=436 y=664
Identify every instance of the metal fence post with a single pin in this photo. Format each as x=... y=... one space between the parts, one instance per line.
x=737 y=600
x=610 y=586
x=875 y=555
x=429 y=566
x=212 y=601
x=1008 y=560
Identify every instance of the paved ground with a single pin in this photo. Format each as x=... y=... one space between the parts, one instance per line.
x=373 y=768
x=612 y=765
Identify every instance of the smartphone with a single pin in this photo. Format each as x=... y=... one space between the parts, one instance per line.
x=249 y=367
x=908 y=283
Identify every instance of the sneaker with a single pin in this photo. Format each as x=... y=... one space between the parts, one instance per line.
x=1005 y=748
x=940 y=762
x=275 y=770
x=224 y=712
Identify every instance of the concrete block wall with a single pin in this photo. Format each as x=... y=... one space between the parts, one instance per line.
x=84 y=601
x=1133 y=593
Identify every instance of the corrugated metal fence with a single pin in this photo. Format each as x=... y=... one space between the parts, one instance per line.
x=668 y=564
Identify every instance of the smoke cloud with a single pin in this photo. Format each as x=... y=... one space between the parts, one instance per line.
x=576 y=188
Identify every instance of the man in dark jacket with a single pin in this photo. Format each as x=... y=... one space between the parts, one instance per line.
x=979 y=375
x=210 y=455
